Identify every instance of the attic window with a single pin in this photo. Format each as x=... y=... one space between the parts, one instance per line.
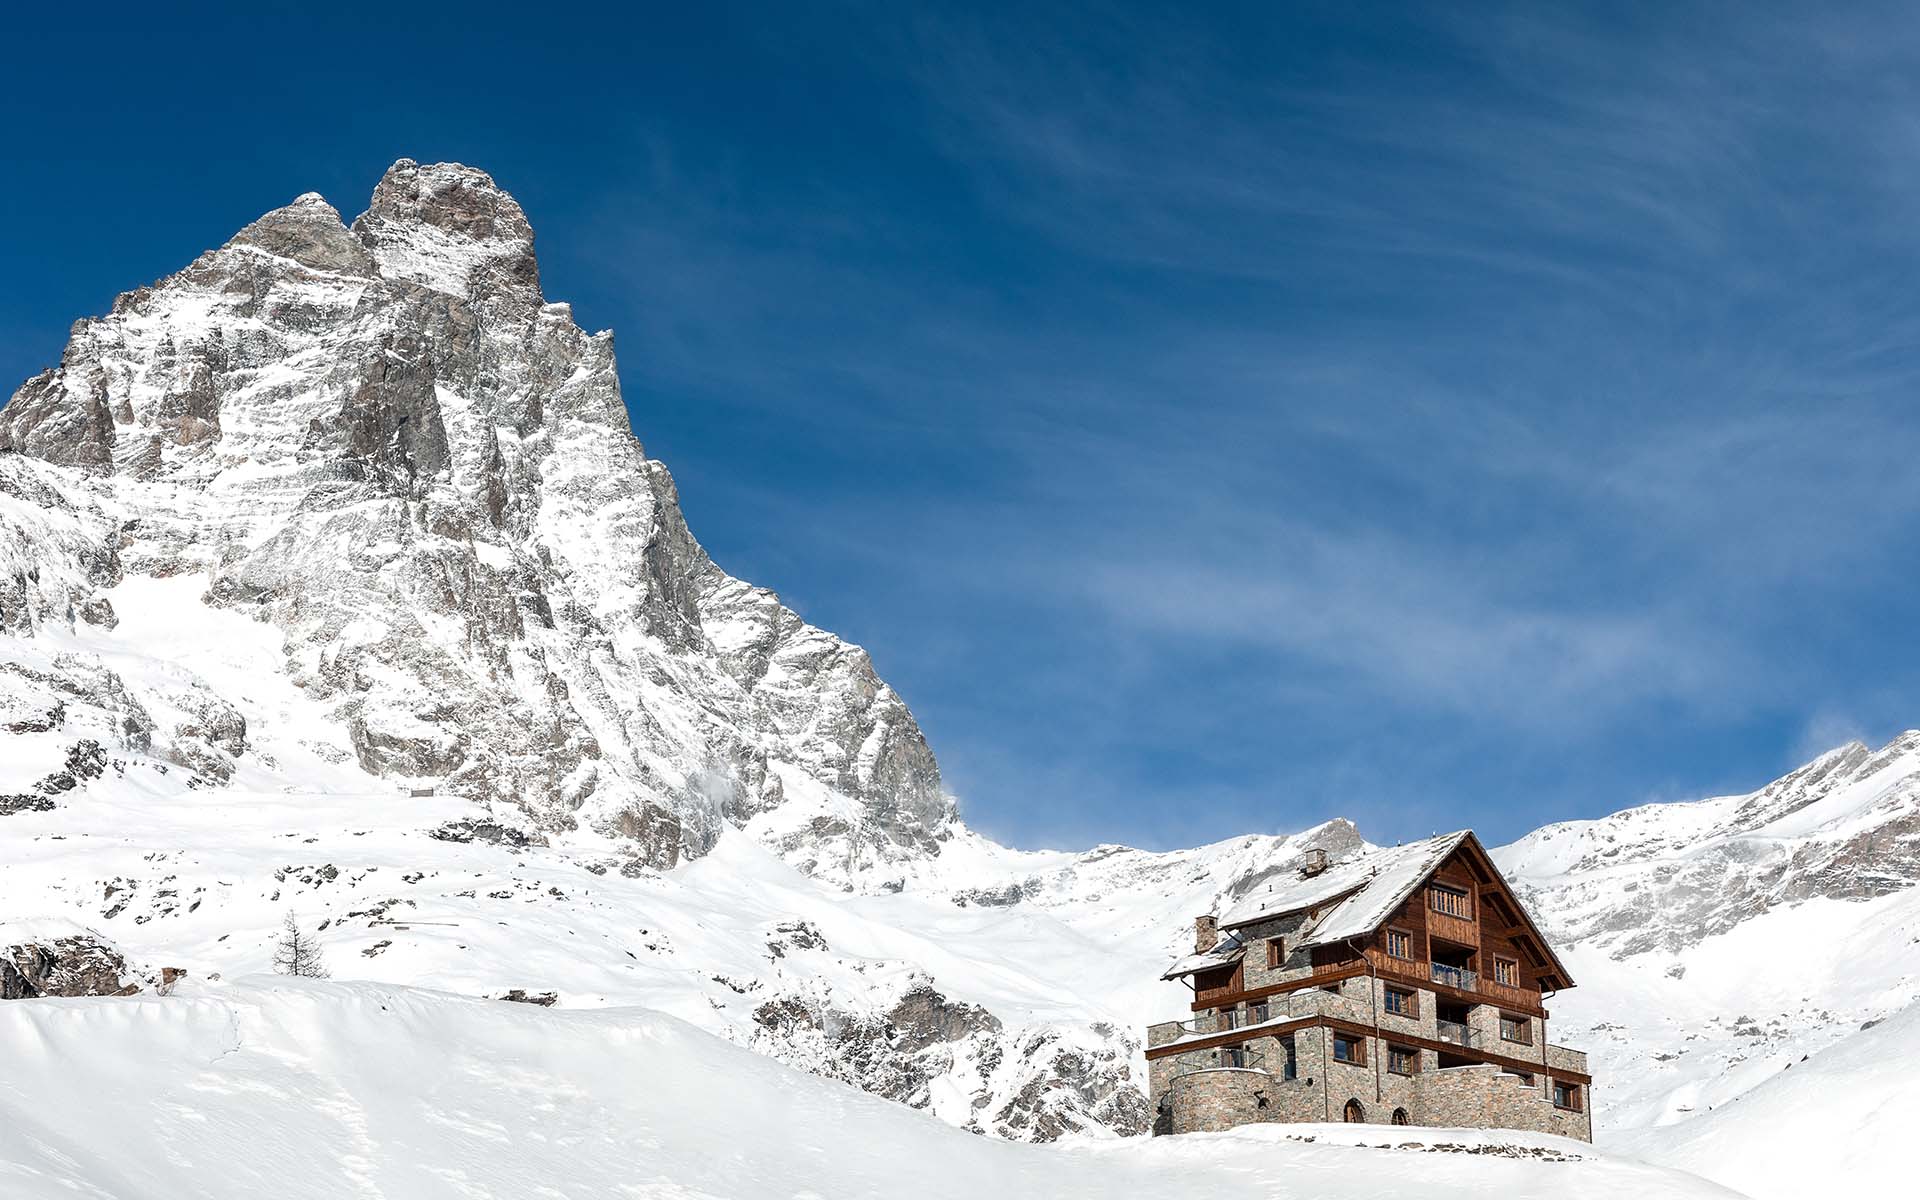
x=1399 y=943
x=1450 y=901
x=1507 y=971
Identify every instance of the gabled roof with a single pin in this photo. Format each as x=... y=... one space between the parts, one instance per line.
x=1355 y=898
x=1368 y=887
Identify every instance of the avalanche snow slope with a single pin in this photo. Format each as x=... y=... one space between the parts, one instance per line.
x=1739 y=959
x=266 y=1087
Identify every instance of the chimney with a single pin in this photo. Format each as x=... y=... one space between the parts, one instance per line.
x=1206 y=933
x=1315 y=862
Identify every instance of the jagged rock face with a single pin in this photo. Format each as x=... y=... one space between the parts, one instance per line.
x=383 y=441
x=73 y=965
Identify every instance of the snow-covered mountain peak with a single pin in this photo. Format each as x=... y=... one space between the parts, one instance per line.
x=379 y=440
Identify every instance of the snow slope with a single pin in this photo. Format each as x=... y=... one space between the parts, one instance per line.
x=1842 y=1114
x=1749 y=968
x=261 y=1088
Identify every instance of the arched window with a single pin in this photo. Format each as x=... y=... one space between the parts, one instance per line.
x=1353 y=1114
x=1400 y=1117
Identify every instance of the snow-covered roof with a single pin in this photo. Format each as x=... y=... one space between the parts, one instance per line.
x=1227 y=950
x=1363 y=891
x=1395 y=874
x=1365 y=881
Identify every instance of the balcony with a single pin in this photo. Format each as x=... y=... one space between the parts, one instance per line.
x=1454 y=1032
x=1209 y=1023
x=1455 y=977
x=1223 y=1058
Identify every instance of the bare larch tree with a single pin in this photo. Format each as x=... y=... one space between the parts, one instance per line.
x=298 y=952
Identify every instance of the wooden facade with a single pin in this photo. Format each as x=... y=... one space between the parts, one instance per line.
x=1456 y=951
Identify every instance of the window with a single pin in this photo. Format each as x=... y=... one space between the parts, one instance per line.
x=1227 y=1018
x=1257 y=1012
x=1525 y=1077
x=1233 y=1056
x=1402 y=1061
x=1566 y=1095
x=1276 y=953
x=1399 y=943
x=1516 y=1029
x=1507 y=971
x=1330 y=987
x=1290 y=1065
x=1402 y=1003
x=1353 y=1114
x=1400 y=1117
x=1349 y=1050
x=1451 y=901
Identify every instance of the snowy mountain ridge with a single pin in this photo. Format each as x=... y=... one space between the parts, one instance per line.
x=333 y=579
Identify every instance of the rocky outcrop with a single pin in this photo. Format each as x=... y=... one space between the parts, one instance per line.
x=73 y=964
x=1035 y=1086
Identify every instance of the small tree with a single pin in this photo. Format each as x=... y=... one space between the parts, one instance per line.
x=297 y=952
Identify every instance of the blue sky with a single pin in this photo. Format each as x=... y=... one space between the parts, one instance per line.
x=1213 y=419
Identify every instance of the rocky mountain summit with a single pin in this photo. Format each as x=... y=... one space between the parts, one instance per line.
x=334 y=579
x=383 y=442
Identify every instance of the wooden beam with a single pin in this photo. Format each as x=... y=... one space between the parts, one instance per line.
x=1235 y=1037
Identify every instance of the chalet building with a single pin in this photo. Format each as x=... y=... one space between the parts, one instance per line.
x=1402 y=986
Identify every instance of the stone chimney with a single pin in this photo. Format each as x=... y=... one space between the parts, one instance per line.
x=1315 y=862
x=1206 y=933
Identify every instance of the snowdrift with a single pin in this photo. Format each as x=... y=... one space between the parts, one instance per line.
x=291 y=1089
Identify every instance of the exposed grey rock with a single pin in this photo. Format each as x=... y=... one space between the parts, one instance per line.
x=924 y=1017
x=475 y=829
x=654 y=832
x=74 y=965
